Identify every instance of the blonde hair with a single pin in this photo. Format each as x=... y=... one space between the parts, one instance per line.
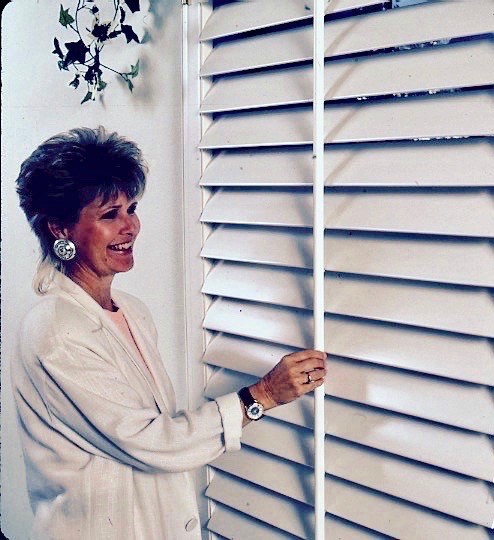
x=43 y=278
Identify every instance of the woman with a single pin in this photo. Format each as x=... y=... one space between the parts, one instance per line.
x=106 y=452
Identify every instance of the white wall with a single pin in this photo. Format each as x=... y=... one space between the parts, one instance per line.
x=37 y=103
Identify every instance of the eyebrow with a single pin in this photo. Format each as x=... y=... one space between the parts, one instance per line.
x=105 y=208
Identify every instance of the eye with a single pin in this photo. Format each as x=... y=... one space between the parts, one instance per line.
x=132 y=208
x=111 y=214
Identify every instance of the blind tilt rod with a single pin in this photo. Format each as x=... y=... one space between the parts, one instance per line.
x=318 y=261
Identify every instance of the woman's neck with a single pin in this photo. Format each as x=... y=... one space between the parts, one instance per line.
x=99 y=288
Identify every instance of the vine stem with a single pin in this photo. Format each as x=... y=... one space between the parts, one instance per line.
x=77 y=19
x=114 y=70
x=92 y=86
x=116 y=5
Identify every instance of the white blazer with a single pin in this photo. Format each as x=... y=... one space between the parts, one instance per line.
x=106 y=453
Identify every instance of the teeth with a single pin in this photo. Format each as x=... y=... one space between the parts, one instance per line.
x=119 y=247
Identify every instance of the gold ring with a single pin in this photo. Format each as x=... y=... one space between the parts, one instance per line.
x=309 y=379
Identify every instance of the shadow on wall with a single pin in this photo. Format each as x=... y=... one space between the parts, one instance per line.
x=156 y=35
x=160 y=11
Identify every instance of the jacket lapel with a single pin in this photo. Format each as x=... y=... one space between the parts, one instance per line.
x=160 y=381
x=64 y=286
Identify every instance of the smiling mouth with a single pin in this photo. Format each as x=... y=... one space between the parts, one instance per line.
x=122 y=248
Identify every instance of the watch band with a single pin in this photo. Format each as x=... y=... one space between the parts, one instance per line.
x=246 y=396
x=253 y=409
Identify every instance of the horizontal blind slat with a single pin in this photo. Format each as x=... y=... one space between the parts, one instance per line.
x=237 y=17
x=232 y=524
x=359 y=505
x=439 y=400
x=283 y=512
x=456 y=260
x=438 y=163
x=454 y=495
x=436 y=353
x=456 y=309
x=424 y=70
x=434 y=22
x=465 y=452
x=465 y=213
x=284 y=434
x=469 y=114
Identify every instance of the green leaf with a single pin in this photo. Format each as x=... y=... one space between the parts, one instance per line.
x=125 y=77
x=133 y=5
x=65 y=17
x=129 y=33
x=134 y=70
x=100 y=31
x=74 y=82
x=93 y=72
x=61 y=65
x=76 y=52
x=57 y=50
x=87 y=97
x=101 y=85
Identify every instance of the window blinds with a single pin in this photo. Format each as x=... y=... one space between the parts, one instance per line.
x=409 y=259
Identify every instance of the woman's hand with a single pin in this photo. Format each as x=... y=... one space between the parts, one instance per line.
x=294 y=375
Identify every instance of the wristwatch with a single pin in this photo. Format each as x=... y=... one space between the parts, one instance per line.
x=253 y=409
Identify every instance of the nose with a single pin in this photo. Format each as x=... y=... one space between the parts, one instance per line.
x=130 y=225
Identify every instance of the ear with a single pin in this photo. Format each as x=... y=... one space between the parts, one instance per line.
x=57 y=230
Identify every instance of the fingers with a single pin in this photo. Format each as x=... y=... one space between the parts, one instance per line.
x=309 y=365
x=294 y=375
x=305 y=361
x=306 y=354
x=309 y=377
x=308 y=368
x=314 y=384
x=311 y=380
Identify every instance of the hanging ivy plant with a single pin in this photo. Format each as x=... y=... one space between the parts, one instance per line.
x=83 y=56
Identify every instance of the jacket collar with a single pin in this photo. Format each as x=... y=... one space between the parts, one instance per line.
x=64 y=286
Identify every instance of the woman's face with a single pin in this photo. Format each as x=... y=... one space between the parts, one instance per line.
x=104 y=237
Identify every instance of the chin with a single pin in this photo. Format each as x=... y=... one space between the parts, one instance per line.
x=124 y=268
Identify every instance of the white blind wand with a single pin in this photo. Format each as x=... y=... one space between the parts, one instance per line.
x=318 y=261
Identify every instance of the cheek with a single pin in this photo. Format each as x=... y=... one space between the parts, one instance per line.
x=85 y=238
x=99 y=239
x=102 y=238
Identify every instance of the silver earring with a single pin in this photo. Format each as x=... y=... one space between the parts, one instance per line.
x=64 y=249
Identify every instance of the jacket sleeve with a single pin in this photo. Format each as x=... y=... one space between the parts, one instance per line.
x=92 y=403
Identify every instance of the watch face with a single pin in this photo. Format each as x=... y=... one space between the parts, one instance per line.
x=255 y=411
